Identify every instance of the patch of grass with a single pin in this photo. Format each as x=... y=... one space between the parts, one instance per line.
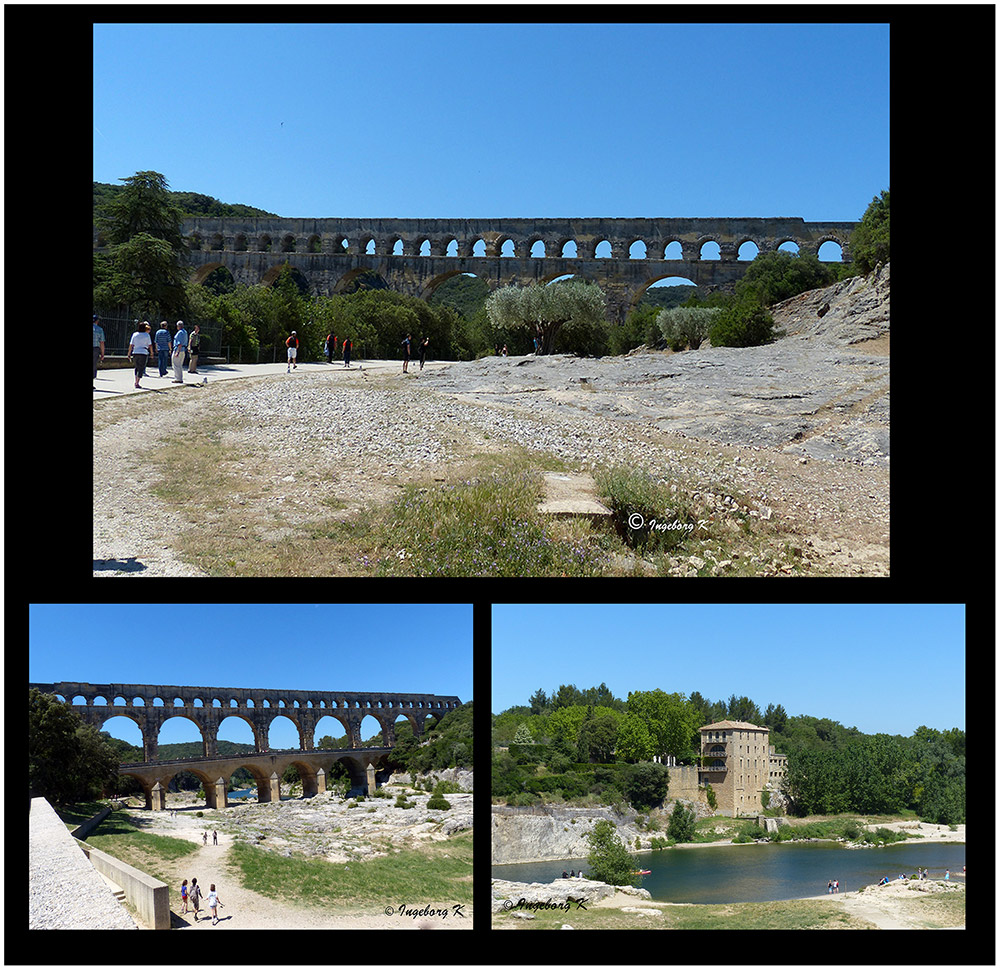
x=438 y=874
x=485 y=525
x=793 y=914
x=119 y=836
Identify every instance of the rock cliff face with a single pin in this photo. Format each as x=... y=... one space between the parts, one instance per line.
x=520 y=836
x=847 y=313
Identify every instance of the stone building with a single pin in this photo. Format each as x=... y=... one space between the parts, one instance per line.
x=739 y=763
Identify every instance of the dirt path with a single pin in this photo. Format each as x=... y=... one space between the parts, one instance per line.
x=244 y=909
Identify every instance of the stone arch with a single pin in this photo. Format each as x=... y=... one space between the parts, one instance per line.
x=325 y=726
x=344 y=283
x=183 y=715
x=747 y=256
x=634 y=253
x=128 y=715
x=287 y=713
x=829 y=242
x=229 y=714
x=709 y=241
x=357 y=769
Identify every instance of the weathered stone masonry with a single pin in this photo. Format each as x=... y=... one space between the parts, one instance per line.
x=330 y=253
x=207 y=707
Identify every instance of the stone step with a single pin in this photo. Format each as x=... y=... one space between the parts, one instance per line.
x=571 y=494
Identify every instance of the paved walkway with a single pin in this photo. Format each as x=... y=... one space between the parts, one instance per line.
x=119 y=381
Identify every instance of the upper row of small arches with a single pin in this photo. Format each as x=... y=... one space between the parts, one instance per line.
x=747 y=250
x=121 y=701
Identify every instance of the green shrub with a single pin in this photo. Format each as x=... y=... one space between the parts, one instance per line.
x=745 y=323
x=609 y=860
x=684 y=327
x=645 y=513
x=437 y=801
x=681 y=825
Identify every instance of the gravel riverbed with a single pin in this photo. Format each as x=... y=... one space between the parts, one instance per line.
x=798 y=429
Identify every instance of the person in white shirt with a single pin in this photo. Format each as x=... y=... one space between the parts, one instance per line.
x=213 y=902
x=139 y=348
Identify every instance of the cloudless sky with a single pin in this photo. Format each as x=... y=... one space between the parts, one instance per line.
x=412 y=648
x=501 y=120
x=882 y=669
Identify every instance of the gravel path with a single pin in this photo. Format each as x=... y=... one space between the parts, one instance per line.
x=245 y=909
x=798 y=429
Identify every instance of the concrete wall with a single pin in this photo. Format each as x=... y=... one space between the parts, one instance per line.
x=85 y=828
x=149 y=896
x=65 y=892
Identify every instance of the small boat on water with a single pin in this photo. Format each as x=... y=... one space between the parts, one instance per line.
x=641 y=872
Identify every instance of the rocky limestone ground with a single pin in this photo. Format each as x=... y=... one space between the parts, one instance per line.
x=324 y=826
x=558 y=834
x=794 y=434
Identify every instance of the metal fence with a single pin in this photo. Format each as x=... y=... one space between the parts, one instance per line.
x=121 y=323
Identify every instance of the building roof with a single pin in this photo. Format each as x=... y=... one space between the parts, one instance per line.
x=743 y=725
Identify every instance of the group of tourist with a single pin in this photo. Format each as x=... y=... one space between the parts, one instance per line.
x=833 y=886
x=194 y=894
x=182 y=347
x=330 y=348
x=407 y=346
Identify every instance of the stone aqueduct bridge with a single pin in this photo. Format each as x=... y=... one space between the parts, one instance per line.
x=208 y=706
x=414 y=256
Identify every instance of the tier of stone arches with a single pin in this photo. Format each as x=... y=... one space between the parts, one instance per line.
x=258 y=708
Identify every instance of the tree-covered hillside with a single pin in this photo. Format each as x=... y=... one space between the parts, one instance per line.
x=575 y=744
x=189 y=203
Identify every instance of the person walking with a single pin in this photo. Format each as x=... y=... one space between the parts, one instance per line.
x=194 y=347
x=163 y=346
x=423 y=351
x=184 y=897
x=180 y=350
x=292 y=343
x=98 y=344
x=406 y=352
x=347 y=351
x=195 y=896
x=213 y=902
x=139 y=346
x=330 y=347
x=215 y=837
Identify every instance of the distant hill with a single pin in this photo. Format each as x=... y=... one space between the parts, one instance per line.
x=190 y=203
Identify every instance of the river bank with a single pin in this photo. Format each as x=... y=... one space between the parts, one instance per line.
x=560 y=832
x=583 y=904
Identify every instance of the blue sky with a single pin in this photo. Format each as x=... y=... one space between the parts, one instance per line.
x=414 y=648
x=878 y=668
x=502 y=120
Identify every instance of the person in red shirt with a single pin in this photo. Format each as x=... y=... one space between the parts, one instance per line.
x=292 y=343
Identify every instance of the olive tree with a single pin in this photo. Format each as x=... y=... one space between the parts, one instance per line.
x=546 y=309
